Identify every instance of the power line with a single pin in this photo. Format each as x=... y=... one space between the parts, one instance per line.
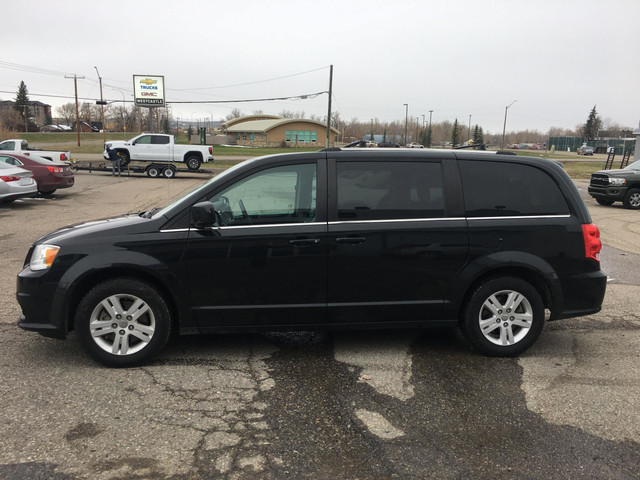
x=26 y=68
x=295 y=97
x=247 y=83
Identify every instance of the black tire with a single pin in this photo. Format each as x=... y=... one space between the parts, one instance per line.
x=632 y=199
x=153 y=171
x=504 y=317
x=46 y=193
x=193 y=161
x=168 y=172
x=604 y=202
x=114 y=338
x=125 y=159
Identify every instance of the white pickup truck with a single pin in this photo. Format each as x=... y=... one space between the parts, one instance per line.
x=157 y=147
x=16 y=145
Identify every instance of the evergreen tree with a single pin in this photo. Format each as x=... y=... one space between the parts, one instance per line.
x=592 y=127
x=478 y=135
x=455 y=133
x=21 y=102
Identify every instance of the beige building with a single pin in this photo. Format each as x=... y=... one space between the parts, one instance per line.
x=274 y=131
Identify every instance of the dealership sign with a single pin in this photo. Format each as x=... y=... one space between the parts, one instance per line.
x=148 y=90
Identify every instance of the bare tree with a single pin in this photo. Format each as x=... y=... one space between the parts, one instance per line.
x=235 y=113
x=11 y=120
x=67 y=112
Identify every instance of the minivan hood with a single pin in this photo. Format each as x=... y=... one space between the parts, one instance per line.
x=93 y=228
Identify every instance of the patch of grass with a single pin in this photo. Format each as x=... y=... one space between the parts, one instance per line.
x=581 y=169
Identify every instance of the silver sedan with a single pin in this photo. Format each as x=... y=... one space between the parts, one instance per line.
x=16 y=182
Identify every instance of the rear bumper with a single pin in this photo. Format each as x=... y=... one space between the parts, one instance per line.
x=582 y=295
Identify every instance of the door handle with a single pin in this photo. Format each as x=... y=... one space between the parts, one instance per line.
x=351 y=240
x=304 y=242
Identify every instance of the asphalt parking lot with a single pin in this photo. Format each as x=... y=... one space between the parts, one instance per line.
x=367 y=405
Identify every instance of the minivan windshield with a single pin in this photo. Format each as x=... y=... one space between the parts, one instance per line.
x=195 y=192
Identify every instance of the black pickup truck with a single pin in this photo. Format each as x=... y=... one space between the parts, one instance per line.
x=609 y=186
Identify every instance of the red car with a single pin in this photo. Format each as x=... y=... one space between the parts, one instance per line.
x=49 y=175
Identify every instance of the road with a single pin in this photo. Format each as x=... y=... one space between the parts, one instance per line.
x=367 y=405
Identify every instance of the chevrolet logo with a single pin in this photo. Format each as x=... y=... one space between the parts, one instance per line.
x=148 y=81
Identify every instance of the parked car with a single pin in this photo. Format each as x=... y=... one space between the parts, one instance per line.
x=340 y=238
x=585 y=150
x=389 y=145
x=415 y=145
x=16 y=182
x=49 y=175
x=610 y=186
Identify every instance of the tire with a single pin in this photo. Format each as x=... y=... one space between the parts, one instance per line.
x=46 y=193
x=168 y=172
x=134 y=330
x=193 y=162
x=504 y=317
x=125 y=159
x=604 y=202
x=632 y=199
x=153 y=171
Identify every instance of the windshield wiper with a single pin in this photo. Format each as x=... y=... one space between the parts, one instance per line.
x=149 y=213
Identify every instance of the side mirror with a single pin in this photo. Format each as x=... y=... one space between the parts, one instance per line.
x=203 y=215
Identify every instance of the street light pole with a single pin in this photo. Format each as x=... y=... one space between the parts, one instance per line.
x=406 y=121
x=504 y=128
x=430 y=132
x=104 y=131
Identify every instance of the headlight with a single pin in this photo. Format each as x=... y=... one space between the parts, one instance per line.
x=617 y=181
x=43 y=256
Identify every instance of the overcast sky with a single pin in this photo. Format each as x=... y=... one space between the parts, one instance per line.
x=456 y=57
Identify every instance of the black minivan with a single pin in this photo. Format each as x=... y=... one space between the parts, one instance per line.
x=336 y=239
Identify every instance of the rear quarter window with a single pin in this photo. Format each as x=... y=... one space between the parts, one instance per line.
x=507 y=189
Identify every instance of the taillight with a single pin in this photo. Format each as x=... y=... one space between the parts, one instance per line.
x=63 y=157
x=55 y=169
x=9 y=178
x=592 y=243
x=210 y=150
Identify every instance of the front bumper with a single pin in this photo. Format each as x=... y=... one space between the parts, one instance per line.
x=40 y=301
x=614 y=193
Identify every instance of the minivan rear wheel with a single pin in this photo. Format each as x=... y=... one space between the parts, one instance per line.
x=503 y=317
x=122 y=322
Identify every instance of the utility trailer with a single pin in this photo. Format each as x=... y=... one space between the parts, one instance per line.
x=153 y=170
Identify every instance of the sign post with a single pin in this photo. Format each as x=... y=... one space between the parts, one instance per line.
x=148 y=91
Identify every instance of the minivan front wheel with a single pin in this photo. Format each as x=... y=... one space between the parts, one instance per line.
x=503 y=317
x=122 y=322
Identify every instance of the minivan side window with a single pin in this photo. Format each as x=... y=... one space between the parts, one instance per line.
x=285 y=194
x=389 y=190
x=496 y=189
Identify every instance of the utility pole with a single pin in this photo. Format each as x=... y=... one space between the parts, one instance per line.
x=406 y=121
x=470 y=127
x=75 y=86
x=504 y=128
x=329 y=112
x=102 y=104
